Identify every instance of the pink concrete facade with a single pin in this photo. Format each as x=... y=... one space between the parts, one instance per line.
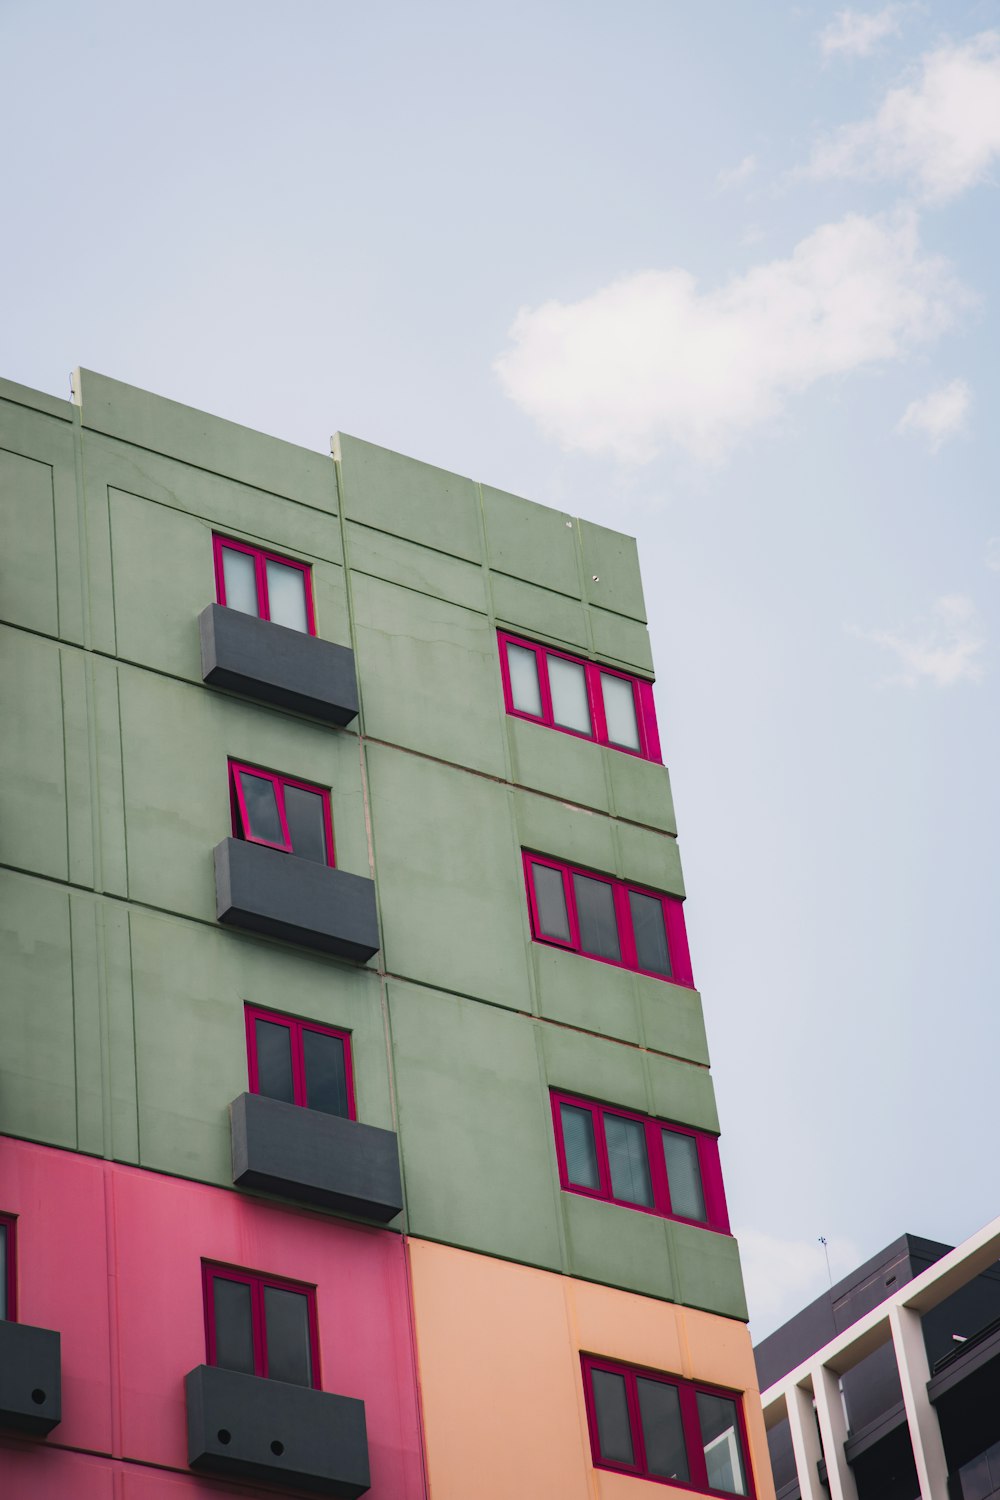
x=111 y=1256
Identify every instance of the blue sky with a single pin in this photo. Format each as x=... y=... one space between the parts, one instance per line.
x=722 y=275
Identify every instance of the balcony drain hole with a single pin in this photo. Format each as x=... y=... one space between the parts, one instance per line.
x=38 y=1397
x=277 y=1448
x=224 y=1435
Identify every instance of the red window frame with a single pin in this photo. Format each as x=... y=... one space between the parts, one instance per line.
x=673 y=919
x=257 y=1282
x=688 y=1392
x=642 y=692
x=709 y=1164
x=296 y=1027
x=241 y=821
x=261 y=556
x=8 y=1223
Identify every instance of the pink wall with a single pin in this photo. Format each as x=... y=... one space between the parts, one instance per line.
x=111 y=1256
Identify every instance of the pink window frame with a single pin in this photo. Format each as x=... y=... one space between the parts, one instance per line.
x=8 y=1222
x=261 y=556
x=296 y=1027
x=709 y=1164
x=257 y=1282
x=688 y=1391
x=241 y=821
x=673 y=919
x=642 y=692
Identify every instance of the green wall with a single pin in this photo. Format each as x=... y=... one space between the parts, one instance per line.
x=122 y=996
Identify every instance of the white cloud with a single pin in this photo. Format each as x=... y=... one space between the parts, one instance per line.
x=653 y=358
x=943 y=649
x=940 y=415
x=942 y=131
x=993 y=554
x=857 y=33
x=782 y=1276
x=740 y=173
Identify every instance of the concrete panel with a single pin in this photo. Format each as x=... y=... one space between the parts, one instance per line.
x=614 y=558
x=111 y=860
x=246 y=1427
x=708 y=1270
x=640 y=791
x=539 y=613
x=32 y=759
x=474 y=1124
x=164 y=575
x=37 y=1068
x=272 y=664
x=428 y=675
x=311 y=1157
x=203 y=441
x=28 y=571
x=532 y=542
x=452 y=903
x=560 y=765
x=681 y=1092
x=276 y=895
x=419 y=568
x=617 y=1246
x=621 y=641
x=593 y=1067
x=649 y=858
x=671 y=1018
x=175 y=740
x=408 y=498
x=576 y=835
x=583 y=992
x=191 y=982
x=41 y=401
x=77 y=701
x=30 y=1387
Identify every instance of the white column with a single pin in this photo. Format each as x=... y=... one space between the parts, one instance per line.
x=833 y=1431
x=925 y=1433
x=805 y=1441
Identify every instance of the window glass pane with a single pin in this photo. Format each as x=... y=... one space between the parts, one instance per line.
x=628 y=1160
x=233 y=1325
x=525 y=693
x=619 y=711
x=3 y=1271
x=286 y=1315
x=687 y=1197
x=650 y=931
x=239 y=573
x=274 y=1061
x=595 y=910
x=326 y=1072
x=286 y=595
x=662 y=1429
x=306 y=824
x=568 y=685
x=614 y=1434
x=550 y=900
x=578 y=1144
x=720 y=1436
x=262 y=809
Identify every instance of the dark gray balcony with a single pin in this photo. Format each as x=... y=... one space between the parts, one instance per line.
x=273 y=664
x=312 y=1157
x=279 y=895
x=30 y=1386
x=246 y=1427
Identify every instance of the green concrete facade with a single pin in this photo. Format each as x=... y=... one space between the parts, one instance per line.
x=123 y=997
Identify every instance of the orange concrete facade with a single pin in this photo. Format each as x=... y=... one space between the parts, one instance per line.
x=498 y=1351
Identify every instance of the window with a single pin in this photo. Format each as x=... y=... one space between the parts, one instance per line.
x=261 y=1325
x=8 y=1306
x=300 y=1062
x=281 y=813
x=262 y=583
x=633 y=1160
x=578 y=697
x=608 y=919
x=661 y=1427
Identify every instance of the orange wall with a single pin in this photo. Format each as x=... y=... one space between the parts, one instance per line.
x=498 y=1350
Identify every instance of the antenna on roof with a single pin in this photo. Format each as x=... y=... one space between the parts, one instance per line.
x=826 y=1252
